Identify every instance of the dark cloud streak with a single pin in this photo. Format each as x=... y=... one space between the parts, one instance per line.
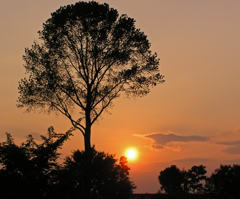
x=235 y=143
x=233 y=148
x=163 y=139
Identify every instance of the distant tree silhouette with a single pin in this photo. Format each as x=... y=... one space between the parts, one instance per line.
x=26 y=170
x=172 y=180
x=224 y=183
x=102 y=179
x=195 y=179
x=180 y=183
x=88 y=56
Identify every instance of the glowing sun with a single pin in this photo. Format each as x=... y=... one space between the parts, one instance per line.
x=131 y=154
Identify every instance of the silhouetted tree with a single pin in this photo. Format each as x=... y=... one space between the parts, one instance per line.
x=88 y=56
x=224 y=183
x=195 y=178
x=103 y=178
x=172 y=180
x=26 y=170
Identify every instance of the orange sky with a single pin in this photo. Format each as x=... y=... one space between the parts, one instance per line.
x=191 y=119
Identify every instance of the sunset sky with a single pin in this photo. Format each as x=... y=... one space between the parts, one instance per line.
x=191 y=119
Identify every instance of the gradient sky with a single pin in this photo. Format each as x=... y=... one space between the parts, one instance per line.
x=191 y=119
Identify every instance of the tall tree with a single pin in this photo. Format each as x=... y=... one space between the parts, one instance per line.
x=88 y=56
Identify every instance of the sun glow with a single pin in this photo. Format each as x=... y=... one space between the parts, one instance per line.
x=131 y=154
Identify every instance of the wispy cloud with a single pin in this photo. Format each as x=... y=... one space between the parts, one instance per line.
x=162 y=141
x=170 y=141
x=234 y=143
x=158 y=147
x=232 y=148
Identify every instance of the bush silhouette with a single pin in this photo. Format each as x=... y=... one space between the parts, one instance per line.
x=94 y=175
x=26 y=170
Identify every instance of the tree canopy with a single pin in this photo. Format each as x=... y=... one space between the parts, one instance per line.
x=87 y=56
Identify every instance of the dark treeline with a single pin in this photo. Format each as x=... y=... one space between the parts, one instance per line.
x=31 y=171
x=224 y=183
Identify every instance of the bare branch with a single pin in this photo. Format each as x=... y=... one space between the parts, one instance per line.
x=105 y=106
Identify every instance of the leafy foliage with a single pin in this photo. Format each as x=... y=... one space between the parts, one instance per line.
x=27 y=169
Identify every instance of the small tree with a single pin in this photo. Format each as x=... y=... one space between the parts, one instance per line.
x=225 y=182
x=27 y=170
x=172 y=180
x=87 y=57
x=103 y=178
x=195 y=178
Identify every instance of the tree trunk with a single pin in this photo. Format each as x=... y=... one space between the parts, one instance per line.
x=87 y=136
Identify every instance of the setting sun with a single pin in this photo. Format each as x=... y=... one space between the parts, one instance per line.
x=131 y=154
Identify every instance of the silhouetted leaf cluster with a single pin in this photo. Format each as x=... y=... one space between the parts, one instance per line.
x=31 y=170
